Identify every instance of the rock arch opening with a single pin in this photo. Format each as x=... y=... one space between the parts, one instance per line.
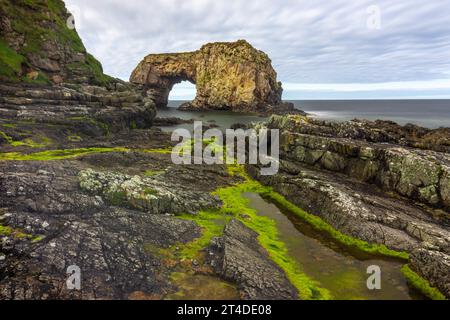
x=184 y=91
x=160 y=88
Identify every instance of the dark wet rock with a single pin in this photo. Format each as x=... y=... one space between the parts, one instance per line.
x=54 y=224
x=49 y=187
x=359 y=210
x=285 y=108
x=379 y=131
x=237 y=126
x=108 y=247
x=239 y=257
x=433 y=265
x=172 y=121
x=54 y=186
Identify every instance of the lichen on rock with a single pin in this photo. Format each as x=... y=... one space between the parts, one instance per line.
x=146 y=194
x=228 y=75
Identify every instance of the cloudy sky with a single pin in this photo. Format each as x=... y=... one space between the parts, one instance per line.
x=325 y=49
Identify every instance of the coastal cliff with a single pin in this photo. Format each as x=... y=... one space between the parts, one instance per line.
x=47 y=76
x=39 y=44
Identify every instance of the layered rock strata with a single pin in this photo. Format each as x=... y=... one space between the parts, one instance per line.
x=115 y=108
x=373 y=157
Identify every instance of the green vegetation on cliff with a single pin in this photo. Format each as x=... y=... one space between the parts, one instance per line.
x=10 y=61
x=11 y=65
x=91 y=66
x=36 y=43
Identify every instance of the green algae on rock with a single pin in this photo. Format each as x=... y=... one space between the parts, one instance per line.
x=42 y=143
x=235 y=204
x=56 y=154
x=421 y=284
x=63 y=154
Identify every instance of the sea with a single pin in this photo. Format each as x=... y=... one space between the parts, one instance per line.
x=426 y=113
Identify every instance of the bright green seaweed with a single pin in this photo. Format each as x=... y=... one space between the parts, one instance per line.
x=238 y=206
x=421 y=284
x=320 y=225
x=56 y=154
x=63 y=154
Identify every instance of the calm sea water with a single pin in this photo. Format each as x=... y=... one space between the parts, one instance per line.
x=223 y=119
x=426 y=113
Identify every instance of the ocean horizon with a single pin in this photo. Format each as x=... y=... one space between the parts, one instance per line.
x=429 y=113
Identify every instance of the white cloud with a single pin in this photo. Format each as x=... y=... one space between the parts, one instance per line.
x=443 y=84
x=324 y=41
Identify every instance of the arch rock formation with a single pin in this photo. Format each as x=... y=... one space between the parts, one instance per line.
x=228 y=76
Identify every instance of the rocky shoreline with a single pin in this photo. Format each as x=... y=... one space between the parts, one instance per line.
x=366 y=186
x=92 y=201
x=87 y=180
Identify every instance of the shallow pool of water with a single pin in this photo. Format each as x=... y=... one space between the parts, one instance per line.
x=202 y=287
x=342 y=272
